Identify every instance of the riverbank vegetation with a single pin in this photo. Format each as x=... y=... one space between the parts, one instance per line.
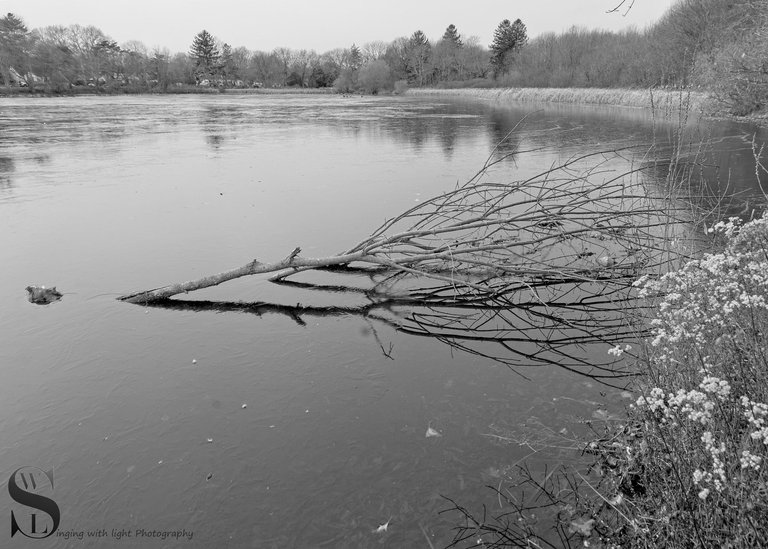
x=665 y=103
x=687 y=466
x=708 y=45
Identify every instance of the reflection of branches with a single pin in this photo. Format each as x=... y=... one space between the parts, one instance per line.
x=545 y=324
x=548 y=500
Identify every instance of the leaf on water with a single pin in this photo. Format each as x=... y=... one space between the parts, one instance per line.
x=433 y=433
x=40 y=295
x=602 y=415
x=582 y=526
x=382 y=527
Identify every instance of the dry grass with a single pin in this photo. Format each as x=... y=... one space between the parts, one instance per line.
x=661 y=100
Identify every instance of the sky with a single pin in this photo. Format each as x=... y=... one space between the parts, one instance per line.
x=322 y=25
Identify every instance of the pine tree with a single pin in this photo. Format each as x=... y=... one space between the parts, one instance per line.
x=508 y=39
x=227 y=63
x=14 y=41
x=355 y=57
x=451 y=36
x=419 y=52
x=204 y=54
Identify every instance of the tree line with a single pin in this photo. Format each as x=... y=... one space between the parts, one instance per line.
x=59 y=57
x=720 y=45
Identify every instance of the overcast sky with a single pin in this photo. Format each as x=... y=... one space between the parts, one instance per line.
x=321 y=24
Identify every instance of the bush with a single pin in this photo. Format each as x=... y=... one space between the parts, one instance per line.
x=698 y=453
x=346 y=82
x=401 y=86
x=375 y=76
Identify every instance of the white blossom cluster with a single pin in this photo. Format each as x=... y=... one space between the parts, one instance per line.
x=696 y=303
x=701 y=296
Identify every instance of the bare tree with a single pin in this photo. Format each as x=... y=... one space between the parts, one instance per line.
x=373 y=51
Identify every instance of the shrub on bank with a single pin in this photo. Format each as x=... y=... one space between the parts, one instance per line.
x=689 y=465
x=694 y=466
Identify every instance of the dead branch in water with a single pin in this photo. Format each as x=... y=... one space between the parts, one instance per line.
x=583 y=221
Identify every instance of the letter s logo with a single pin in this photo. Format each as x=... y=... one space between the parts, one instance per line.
x=33 y=480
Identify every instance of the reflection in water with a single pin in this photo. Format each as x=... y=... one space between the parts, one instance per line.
x=214 y=140
x=553 y=330
x=720 y=175
x=7 y=166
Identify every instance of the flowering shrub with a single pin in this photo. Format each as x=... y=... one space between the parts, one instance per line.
x=700 y=443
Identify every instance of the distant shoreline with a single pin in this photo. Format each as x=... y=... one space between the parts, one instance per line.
x=663 y=101
x=186 y=90
x=617 y=97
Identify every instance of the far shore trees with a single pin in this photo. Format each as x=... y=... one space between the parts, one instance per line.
x=205 y=55
x=375 y=76
x=14 y=44
x=419 y=53
x=716 y=45
x=508 y=39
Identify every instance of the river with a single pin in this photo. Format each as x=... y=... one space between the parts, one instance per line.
x=268 y=429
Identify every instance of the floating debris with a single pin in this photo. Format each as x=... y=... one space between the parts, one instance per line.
x=433 y=433
x=382 y=527
x=209 y=477
x=40 y=295
x=194 y=361
x=582 y=526
x=210 y=440
x=244 y=406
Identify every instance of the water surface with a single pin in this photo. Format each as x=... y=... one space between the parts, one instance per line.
x=264 y=430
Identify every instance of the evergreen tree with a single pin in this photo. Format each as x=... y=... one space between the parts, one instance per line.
x=14 y=43
x=507 y=40
x=451 y=36
x=419 y=52
x=355 y=57
x=204 y=54
x=227 y=63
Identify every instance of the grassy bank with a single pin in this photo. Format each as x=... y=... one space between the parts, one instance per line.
x=662 y=100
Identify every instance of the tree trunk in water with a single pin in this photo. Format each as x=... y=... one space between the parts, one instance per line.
x=289 y=265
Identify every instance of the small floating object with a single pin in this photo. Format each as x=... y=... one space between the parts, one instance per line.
x=210 y=440
x=209 y=477
x=244 y=406
x=194 y=361
x=40 y=295
x=582 y=526
x=433 y=433
x=382 y=527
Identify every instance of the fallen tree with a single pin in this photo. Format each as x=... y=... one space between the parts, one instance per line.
x=567 y=224
x=540 y=268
